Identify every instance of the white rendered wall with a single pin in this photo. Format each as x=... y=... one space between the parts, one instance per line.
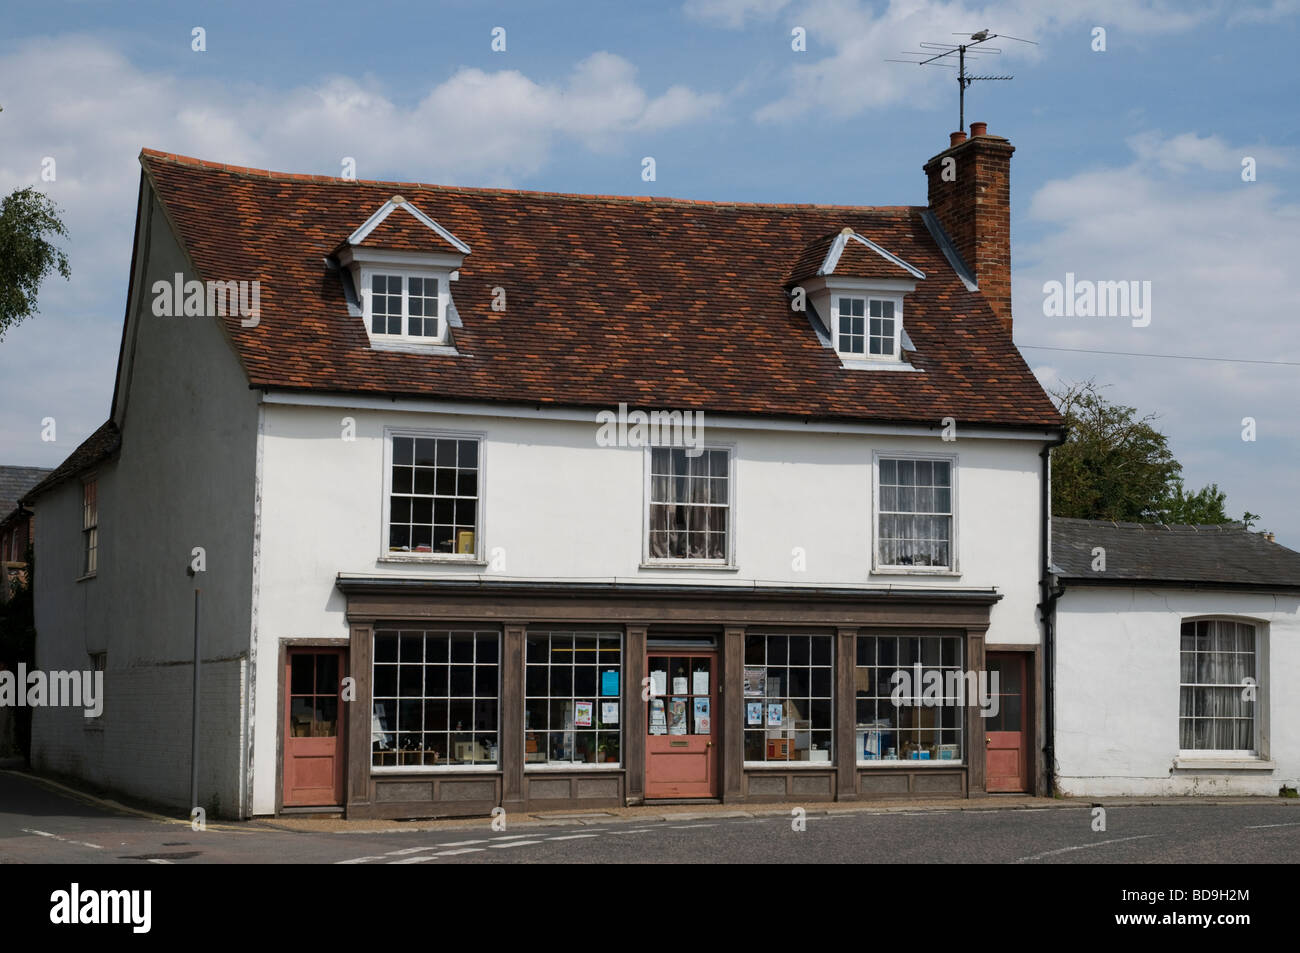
x=560 y=507
x=184 y=478
x=1117 y=671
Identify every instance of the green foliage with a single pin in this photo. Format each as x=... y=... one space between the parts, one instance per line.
x=1116 y=465
x=27 y=255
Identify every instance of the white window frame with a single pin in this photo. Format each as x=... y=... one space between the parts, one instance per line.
x=89 y=531
x=653 y=562
x=1189 y=756
x=475 y=558
x=425 y=628
x=406 y=273
x=866 y=297
x=549 y=765
x=954 y=549
x=766 y=729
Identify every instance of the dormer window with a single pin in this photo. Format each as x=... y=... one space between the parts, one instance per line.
x=867 y=327
x=406 y=306
x=401 y=264
x=853 y=290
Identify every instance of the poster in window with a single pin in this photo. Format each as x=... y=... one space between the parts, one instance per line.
x=677 y=717
x=754 y=713
x=658 y=725
x=755 y=680
x=775 y=714
x=700 y=682
x=609 y=682
x=701 y=716
x=679 y=684
x=609 y=713
x=659 y=681
x=582 y=714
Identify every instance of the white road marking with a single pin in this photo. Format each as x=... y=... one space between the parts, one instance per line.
x=1260 y=827
x=507 y=837
x=639 y=830
x=412 y=850
x=1066 y=850
x=159 y=860
x=66 y=840
x=515 y=843
x=687 y=827
x=571 y=837
x=463 y=843
x=463 y=850
x=358 y=860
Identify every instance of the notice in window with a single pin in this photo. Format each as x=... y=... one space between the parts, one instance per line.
x=677 y=717
x=701 y=716
x=658 y=723
x=754 y=714
x=609 y=713
x=582 y=714
x=775 y=715
x=701 y=682
x=609 y=682
x=755 y=681
x=659 y=681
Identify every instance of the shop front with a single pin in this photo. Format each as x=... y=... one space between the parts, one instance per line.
x=537 y=696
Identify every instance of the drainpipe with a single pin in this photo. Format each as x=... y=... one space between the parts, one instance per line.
x=1050 y=592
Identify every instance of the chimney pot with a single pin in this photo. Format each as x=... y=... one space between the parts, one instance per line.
x=979 y=129
x=956 y=139
x=1270 y=537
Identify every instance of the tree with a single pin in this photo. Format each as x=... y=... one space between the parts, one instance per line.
x=27 y=255
x=1115 y=465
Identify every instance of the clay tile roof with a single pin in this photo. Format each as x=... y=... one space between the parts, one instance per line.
x=855 y=260
x=662 y=303
x=100 y=445
x=404 y=232
x=1225 y=554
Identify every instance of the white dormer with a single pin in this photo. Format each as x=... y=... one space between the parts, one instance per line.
x=857 y=295
x=402 y=264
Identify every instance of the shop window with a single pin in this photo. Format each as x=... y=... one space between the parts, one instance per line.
x=901 y=719
x=1218 y=688
x=789 y=709
x=436 y=698
x=572 y=684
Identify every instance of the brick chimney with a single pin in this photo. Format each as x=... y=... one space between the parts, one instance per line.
x=971 y=198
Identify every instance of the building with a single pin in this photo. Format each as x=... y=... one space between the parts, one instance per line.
x=1174 y=647
x=533 y=500
x=17 y=528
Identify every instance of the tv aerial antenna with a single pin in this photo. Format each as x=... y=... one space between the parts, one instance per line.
x=933 y=54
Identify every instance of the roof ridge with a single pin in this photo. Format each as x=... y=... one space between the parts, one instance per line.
x=177 y=159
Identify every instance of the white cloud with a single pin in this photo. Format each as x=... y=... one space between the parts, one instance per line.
x=82 y=102
x=846 y=68
x=1220 y=255
x=733 y=13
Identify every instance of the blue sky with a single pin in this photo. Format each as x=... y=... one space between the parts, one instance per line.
x=1128 y=161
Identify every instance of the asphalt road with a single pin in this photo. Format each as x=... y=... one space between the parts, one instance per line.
x=40 y=825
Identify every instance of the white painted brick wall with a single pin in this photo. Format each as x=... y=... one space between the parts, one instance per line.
x=141 y=744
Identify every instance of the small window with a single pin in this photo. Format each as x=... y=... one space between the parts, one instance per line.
x=690 y=505
x=867 y=328
x=789 y=700
x=914 y=519
x=1218 y=687
x=434 y=495
x=436 y=698
x=406 y=306
x=571 y=698
x=89 y=528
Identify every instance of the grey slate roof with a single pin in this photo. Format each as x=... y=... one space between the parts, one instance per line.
x=1226 y=555
x=14 y=482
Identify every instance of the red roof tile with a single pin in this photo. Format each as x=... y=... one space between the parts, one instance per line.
x=661 y=303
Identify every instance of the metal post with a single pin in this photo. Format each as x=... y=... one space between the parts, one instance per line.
x=194 y=735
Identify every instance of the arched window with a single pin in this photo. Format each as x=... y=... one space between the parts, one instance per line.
x=1218 y=704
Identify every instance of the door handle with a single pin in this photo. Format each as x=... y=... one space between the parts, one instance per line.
x=988 y=741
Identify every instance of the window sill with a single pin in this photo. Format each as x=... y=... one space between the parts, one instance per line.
x=413 y=347
x=783 y=765
x=689 y=564
x=909 y=763
x=436 y=558
x=1188 y=763
x=576 y=766
x=433 y=768
x=857 y=364
x=914 y=571
x=89 y=575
